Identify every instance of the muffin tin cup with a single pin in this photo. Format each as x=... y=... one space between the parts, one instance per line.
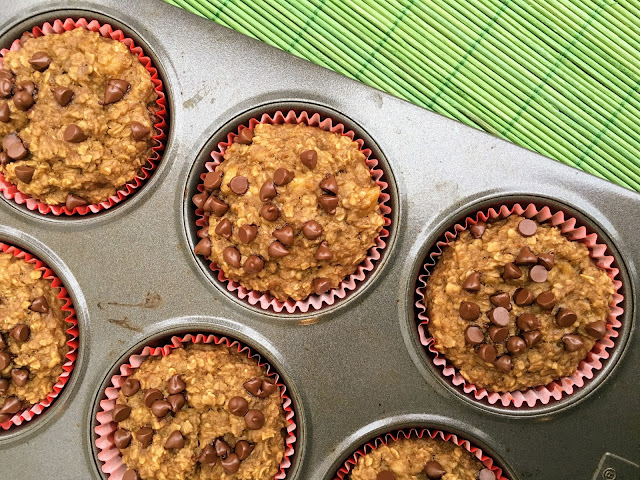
x=312 y=302
x=109 y=454
x=11 y=192
x=476 y=452
x=587 y=368
x=72 y=337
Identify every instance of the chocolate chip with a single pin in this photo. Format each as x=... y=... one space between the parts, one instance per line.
x=245 y=136
x=538 y=274
x=516 y=345
x=311 y=230
x=486 y=352
x=176 y=385
x=4 y=159
x=501 y=299
x=4 y=386
x=321 y=285
x=532 y=337
x=253 y=264
x=243 y=449
x=28 y=87
x=160 y=408
x=526 y=257
x=175 y=440
x=139 y=131
x=309 y=158
x=277 y=250
x=572 y=343
x=203 y=247
x=213 y=180
x=74 y=201
x=20 y=376
x=130 y=387
x=200 y=198
x=130 y=475
x=474 y=335
x=434 y=470
x=478 y=229
x=282 y=176
x=498 y=334
x=499 y=316
x=230 y=464
x=239 y=185
x=267 y=389
x=547 y=260
x=523 y=297
x=269 y=212
x=6 y=74
x=11 y=405
x=504 y=363
x=486 y=474
x=254 y=419
x=222 y=448
x=64 y=95
x=5 y=113
x=253 y=386
x=23 y=100
x=329 y=203
x=238 y=406
x=122 y=438
x=565 y=317
x=527 y=322
x=144 y=435
x=3 y=344
x=74 y=134
x=215 y=206
x=14 y=147
x=24 y=173
x=284 y=235
x=386 y=475
x=527 y=227
x=511 y=271
x=176 y=401
x=40 y=305
x=224 y=228
x=247 y=233
x=546 y=300
x=329 y=185
x=40 y=61
x=469 y=310
x=20 y=333
x=115 y=91
x=5 y=359
x=472 y=282
x=120 y=412
x=6 y=87
x=323 y=253
x=597 y=329
x=208 y=456
x=151 y=396
x=268 y=191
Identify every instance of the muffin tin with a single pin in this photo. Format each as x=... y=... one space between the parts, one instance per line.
x=355 y=370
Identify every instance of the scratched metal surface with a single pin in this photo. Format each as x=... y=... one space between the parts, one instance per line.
x=355 y=370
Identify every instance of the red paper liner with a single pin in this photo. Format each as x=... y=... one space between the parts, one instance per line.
x=588 y=366
x=11 y=191
x=109 y=453
x=418 y=433
x=312 y=302
x=72 y=336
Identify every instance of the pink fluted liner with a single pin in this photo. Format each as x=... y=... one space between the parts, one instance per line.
x=72 y=336
x=109 y=454
x=312 y=302
x=11 y=192
x=587 y=368
x=487 y=461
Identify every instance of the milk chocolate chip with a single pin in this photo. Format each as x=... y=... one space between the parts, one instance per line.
x=130 y=475
x=472 y=282
x=321 y=285
x=5 y=359
x=572 y=343
x=24 y=173
x=139 y=131
x=311 y=230
x=222 y=448
x=23 y=97
x=64 y=95
x=499 y=316
x=208 y=455
x=151 y=396
x=269 y=212
x=434 y=470
x=268 y=191
x=474 y=335
x=282 y=176
x=11 y=405
x=329 y=203
x=122 y=438
x=323 y=252
x=284 y=235
x=546 y=300
x=498 y=334
x=176 y=401
x=527 y=227
x=20 y=333
x=254 y=419
x=203 y=247
x=160 y=408
x=215 y=206
x=386 y=475
x=120 y=412
x=532 y=337
x=224 y=228
x=501 y=299
x=526 y=257
x=527 y=322
x=538 y=274
x=478 y=229
x=130 y=387
x=253 y=264
x=4 y=387
x=486 y=352
x=277 y=250
x=243 y=449
x=14 y=147
x=230 y=464
x=504 y=363
x=597 y=329
x=523 y=297
x=469 y=310
x=74 y=134
x=5 y=113
x=329 y=185
x=74 y=201
x=6 y=86
x=176 y=385
x=309 y=158
x=547 y=260
x=40 y=61
x=40 y=305
x=238 y=406
x=115 y=90
x=20 y=376
x=565 y=317
x=245 y=136
x=486 y=474
x=516 y=345
x=144 y=435
x=511 y=271
x=231 y=255
x=247 y=233
x=175 y=440
x=199 y=199
x=213 y=180
x=239 y=185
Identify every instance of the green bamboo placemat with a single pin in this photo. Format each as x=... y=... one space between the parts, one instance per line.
x=559 y=77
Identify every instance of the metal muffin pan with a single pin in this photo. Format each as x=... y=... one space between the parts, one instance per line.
x=355 y=370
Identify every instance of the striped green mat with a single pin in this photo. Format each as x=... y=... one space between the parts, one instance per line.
x=559 y=77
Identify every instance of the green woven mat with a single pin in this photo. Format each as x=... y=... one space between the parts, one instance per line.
x=560 y=77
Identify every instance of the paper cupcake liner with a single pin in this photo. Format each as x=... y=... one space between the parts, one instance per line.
x=587 y=368
x=407 y=433
x=11 y=192
x=314 y=301
x=109 y=454
x=72 y=337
